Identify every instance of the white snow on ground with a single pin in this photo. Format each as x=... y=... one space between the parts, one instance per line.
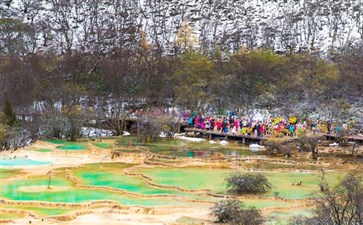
x=189 y=139
x=224 y=142
x=125 y=133
x=256 y=147
x=162 y=135
x=334 y=144
x=94 y=132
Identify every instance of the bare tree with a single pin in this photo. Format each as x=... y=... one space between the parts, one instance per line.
x=340 y=205
x=309 y=143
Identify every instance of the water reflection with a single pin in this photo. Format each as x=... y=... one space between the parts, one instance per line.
x=204 y=153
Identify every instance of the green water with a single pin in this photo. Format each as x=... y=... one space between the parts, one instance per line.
x=282 y=183
x=276 y=166
x=103 y=145
x=190 y=178
x=22 y=162
x=67 y=145
x=198 y=150
x=74 y=195
x=43 y=150
x=119 y=181
x=49 y=211
x=72 y=147
x=282 y=217
x=187 y=149
x=106 y=175
x=111 y=175
x=204 y=178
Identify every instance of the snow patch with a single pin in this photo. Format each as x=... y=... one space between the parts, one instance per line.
x=190 y=139
x=256 y=147
x=95 y=132
x=224 y=142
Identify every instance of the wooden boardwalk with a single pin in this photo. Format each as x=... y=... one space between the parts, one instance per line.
x=253 y=138
x=355 y=138
x=243 y=137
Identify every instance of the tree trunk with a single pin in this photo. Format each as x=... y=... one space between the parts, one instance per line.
x=138 y=130
x=314 y=155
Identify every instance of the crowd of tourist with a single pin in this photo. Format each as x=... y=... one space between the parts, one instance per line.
x=249 y=126
x=276 y=126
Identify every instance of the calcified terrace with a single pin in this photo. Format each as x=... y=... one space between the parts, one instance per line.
x=155 y=183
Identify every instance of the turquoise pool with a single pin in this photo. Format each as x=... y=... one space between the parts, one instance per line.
x=21 y=162
x=72 y=147
x=68 y=145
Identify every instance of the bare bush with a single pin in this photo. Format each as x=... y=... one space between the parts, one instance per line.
x=248 y=183
x=231 y=211
x=148 y=128
x=65 y=123
x=278 y=146
x=308 y=144
x=170 y=126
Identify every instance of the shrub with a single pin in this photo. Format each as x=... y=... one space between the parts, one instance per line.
x=309 y=143
x=250 y=216
x=279 y=146
x=231 y=211
x=248 y=183
x=148 y=128
x=226 y=210
x=341 y=205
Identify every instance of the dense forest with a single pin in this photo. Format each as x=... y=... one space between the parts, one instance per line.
x=80 y=59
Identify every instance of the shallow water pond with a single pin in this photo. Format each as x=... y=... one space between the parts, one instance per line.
x=103 y=145
x=72 y=147
x=282 y=217
x=189 y=178
x=111 y=175
x=188 y=149
x=19 y=190
x=34 y=188
x=284 y=184
x=68 y=145
x=44 y=150
x=21 y=162
x=214 y=179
